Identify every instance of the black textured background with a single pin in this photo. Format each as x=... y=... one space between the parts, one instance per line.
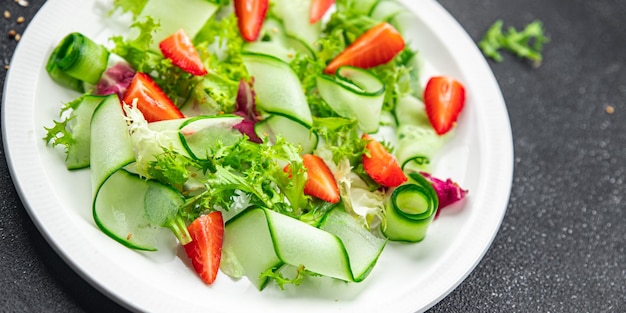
x=561 y=247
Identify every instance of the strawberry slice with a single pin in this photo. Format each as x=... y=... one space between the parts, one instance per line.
x=320 y=181
x=377 y=46
x=318 y=9
x=250 y=16
x=151 y=100
x=444 y=98
x=180 y=50
x=381 y=165
x=205 y=248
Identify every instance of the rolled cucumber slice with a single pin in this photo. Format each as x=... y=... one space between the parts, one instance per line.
x=261 y=239
x=277 y=87
x=410 y=210
x=354 y=93
x=76 y=60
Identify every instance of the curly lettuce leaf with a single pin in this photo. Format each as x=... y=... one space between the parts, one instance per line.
x=132 y=6
x=60 y=133
x=137 y=51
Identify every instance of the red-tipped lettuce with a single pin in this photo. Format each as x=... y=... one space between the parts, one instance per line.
x=448 y=191
x=246 y=108
x=115 y=79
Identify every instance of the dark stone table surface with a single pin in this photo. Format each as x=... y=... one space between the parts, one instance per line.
x=561 y=246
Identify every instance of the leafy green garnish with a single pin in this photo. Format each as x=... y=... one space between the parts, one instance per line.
x=281 y=280
x=132 y=6
x=525 y=44
x=59 y=134
x=220 y=45
x=139 y=53
x=244 y=167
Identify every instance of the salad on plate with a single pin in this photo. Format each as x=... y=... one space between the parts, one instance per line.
x=277 y=140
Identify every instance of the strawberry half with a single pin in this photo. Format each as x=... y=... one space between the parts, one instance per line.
x=444 y=98
x=377 y=46
x=250 y=16
x=381 y=165
x=318 y=9
x=320 y=181
x=151 y=100
x=180 y=50
x=205 y=249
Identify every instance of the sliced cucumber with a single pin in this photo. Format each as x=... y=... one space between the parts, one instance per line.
x=172 y=15
x=201 y=133
x=386 y=10
x=410 y=110
x=118 y=195
x=295 y=16
x=417 y=141
x=277 y=87
x=126 y=207
x=362 y=246
x=354 y=93
x=260 y=239
x=79 y=125
x=273 y=31
x=293 y=131
x=271 y=48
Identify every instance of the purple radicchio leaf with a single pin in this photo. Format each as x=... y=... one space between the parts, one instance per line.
x=115 y=80
x=448 y=191
x=245 y=106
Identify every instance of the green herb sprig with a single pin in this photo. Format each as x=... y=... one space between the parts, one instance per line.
x=526 y=44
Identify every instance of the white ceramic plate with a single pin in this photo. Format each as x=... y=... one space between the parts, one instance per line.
x=407 y=278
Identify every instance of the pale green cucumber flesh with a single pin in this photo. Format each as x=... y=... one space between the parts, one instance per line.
x=194 y=13
x=200 y=134
x=354 y=93
x=260 y=239
x=293 y=131
x=121 y=208
x=295 y=16
x=79 y=126
x=277 y=87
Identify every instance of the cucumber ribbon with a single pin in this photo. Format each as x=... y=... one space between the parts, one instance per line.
x=260 y=239
x=354 y=93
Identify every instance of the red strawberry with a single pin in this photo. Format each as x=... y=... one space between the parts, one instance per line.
x=377 y=46
x=151 y=100
x=250 y=16
x=444 y=99
x=320 y=182
x=205 y=249
x=381 y=165
x=179 y=48
x=318 y=9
